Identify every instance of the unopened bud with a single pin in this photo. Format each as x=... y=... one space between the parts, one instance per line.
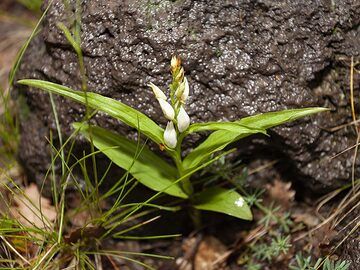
x=180 y=90
x=183 y=120
x=179 y=77
x=186 y=91
x=167 y=109
x=157 y=92
x=175 y=63
x=170 y=136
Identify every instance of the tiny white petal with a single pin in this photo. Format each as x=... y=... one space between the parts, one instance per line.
x=167 y=109
x=170 y=136
x=239 y=202
x=183 y=120
x=186 y=92
x=157 y=91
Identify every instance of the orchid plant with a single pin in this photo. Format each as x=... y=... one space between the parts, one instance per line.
x=154 y=171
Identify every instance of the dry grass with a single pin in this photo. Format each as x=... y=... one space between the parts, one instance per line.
x=343 y=217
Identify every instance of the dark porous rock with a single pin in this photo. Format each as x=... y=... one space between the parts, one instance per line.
x=350 y=234
x=351 y=252
x=241 y=58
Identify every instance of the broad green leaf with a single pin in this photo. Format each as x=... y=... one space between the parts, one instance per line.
x=218 y=140
x=272 y=119
x=114 y=108
x=229 y=126
x=148 y=168
x=224 y=201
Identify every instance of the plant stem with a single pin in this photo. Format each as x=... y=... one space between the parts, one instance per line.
x=195 y=215
x=84 y=88
x=186 y=184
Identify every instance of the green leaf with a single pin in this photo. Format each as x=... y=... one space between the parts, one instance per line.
x=272 y=119
x=114 y=108
x=218 y=140
x=224 y=201
x=229 y=126
x=148 y=168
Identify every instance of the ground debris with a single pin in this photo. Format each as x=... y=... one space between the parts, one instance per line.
x=33 y=210
x=210 y=250
x=306 y=216
x=281 y=193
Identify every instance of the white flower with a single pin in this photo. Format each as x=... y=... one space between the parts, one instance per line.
x=239 y=202
x=167 y=109
x=157 y=92
x=185 y=94
x=183 y=120
x=170 y=136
